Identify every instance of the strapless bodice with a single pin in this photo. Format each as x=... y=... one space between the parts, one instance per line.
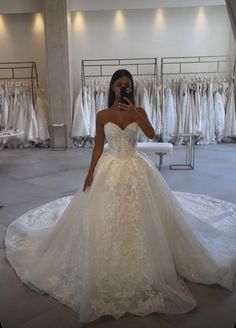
x=122 y=142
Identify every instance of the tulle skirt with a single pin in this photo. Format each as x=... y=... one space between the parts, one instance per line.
x=126 y=244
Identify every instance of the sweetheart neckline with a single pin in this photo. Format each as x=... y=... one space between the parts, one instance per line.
x=119 y=126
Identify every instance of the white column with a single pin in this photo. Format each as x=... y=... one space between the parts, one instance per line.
x=231 y=6
x=58 y=63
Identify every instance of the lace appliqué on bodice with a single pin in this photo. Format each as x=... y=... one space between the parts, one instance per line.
x=122 y=142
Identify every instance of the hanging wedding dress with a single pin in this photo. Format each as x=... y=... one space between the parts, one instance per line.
x=224 y=90
x=230 y=115
x=41 y=117
x=21 y=120
x=158 y=129
x=106 y=87
x=205 y=116
x=86 y=107
x=123 y=244
x=169 y=116
x=183 y=102
x=92 y=111
x=211 y=113
x=5 y=112
x=16 y=107
x=144 y=103
x=80 y=126
x=193 y=116
x=31 y=132
x=219 y=116
x=199 y=112
x=188 y=117
x=11 y=108
x=100 y=100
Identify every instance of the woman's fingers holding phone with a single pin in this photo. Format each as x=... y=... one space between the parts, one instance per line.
x=123 y=106
x=126 y=105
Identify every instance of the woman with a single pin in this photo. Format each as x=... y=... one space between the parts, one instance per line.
x=119 y=113
x=124 y=243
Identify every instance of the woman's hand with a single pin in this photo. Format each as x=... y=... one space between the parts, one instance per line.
x=140 y=117
x=88 y=181
x=129 y=108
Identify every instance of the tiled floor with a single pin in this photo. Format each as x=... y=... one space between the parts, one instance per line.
x=29 y=178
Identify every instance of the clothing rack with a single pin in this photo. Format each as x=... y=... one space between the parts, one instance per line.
x=106 y=67
x=197 y=65
x=194 y=65
x=102 y=69
x=26 y=71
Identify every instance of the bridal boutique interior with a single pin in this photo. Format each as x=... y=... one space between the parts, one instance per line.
x=45 y=89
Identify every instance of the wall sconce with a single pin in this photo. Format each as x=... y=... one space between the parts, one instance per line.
x=38 y=23
x=119 y=21
x=3 y=28
x=79 y=23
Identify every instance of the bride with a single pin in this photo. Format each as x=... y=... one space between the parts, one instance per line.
x=125 y=242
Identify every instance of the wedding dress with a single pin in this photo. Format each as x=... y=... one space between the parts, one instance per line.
x=92 y=112
x=219 y=116
x=41 y=110
x=126 y=243
x=32 y=127
x=80 y=126
x=5 y=112
x=22 y=117
x=199 y=115
x=211 y=114
x=169 y=116
x=230 y=116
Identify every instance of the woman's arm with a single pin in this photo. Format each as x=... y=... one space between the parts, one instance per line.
x=139 y=115
x=144 y=123
x=97 y=151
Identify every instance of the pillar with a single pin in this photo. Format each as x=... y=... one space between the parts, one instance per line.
x=58 y=65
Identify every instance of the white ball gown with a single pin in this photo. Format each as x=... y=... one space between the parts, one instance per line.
x=127 y=243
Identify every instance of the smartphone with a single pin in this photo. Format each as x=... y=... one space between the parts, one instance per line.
x=125 y=92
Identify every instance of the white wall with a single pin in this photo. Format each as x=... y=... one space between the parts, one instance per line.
x=136 y=4
x=32 y=6
x=150 y=33
x=20 y=6
x=144 y=33
x=22 y=39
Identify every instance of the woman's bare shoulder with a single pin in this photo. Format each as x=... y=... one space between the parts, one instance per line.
x=102 y=115
x=141 y=110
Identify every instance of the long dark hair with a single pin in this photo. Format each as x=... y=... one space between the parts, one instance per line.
x=116 y=76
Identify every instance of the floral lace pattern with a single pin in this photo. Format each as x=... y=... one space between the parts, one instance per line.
x=125 y=244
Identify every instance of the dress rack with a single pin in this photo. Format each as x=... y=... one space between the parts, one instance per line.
x=189 y=66
x=102 y=69
x=215 y=65
x=194 y=65
x=19 y=71
x=106 y=67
